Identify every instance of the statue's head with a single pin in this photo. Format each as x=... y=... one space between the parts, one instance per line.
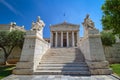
x=87 y=16
x=38 y=19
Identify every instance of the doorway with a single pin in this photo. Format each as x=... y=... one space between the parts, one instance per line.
x=64 y=43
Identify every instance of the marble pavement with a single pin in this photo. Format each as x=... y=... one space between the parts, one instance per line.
x=60 y=77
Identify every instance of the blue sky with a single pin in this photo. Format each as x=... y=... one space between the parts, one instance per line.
x=23 y=12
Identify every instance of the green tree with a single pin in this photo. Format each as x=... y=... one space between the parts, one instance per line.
x=9 y=40
x=111 y=16
x=108 y=39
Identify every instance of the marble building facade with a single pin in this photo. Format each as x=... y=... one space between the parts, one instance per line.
x=64 y=35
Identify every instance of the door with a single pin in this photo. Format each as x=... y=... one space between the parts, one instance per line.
x=64 y=43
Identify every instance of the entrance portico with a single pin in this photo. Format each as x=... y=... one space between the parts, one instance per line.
x=64 y=35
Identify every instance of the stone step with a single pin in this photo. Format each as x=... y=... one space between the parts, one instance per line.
x=65 y=60
x=66 y=48
x=82 y=64
x=59 y=72
x=63 y=50
x=64 y=68
x=61 y=56
x=65 y=55
x=60 y=62
x=67 y=52
x=56 y=51
x=61 y=65
x=58 y=58
x=73 y=50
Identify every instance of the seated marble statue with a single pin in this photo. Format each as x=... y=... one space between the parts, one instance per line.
x=89 y=23
x=38 y=25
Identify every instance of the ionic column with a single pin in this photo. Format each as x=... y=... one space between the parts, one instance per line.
x=51 y=39
x=67 y=39
x=61 y=39
x=73 y=41
x=56 y=37
x=77 y=37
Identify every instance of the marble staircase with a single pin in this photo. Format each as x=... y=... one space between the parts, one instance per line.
x=65 y=61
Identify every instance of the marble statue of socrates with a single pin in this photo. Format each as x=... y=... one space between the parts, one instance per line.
x=88 y=23
x=38 y=25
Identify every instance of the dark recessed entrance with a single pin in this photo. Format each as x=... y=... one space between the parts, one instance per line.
x=64 y=43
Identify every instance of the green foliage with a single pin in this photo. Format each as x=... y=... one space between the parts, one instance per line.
x=5 y=71
x=4 y=38
x=16 y=38
x=107 y=38
x=9 y=40
x=116 y=68
x=111 y=16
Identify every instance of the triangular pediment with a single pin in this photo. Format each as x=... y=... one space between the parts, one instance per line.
x=65 y=23
x=65 y=26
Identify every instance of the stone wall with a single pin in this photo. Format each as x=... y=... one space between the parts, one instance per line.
x=112 y=54
x=14 y=56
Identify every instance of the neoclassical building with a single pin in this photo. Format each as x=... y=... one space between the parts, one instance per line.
x=64 y=35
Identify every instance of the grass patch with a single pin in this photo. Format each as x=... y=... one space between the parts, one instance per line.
x=116 y=68
x=5 y=71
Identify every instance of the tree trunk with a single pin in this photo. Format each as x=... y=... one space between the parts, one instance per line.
x=6 y=54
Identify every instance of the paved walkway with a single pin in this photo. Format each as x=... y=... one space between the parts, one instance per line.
x=59 y=77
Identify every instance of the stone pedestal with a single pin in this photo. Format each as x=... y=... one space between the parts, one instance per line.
x=91 y=47
x=99 y=67
x=33 y=49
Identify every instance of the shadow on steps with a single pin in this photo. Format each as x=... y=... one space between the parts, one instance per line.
x=63 y=61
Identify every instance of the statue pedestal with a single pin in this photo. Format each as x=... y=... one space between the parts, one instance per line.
x=33 y=49
x=92 y=48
